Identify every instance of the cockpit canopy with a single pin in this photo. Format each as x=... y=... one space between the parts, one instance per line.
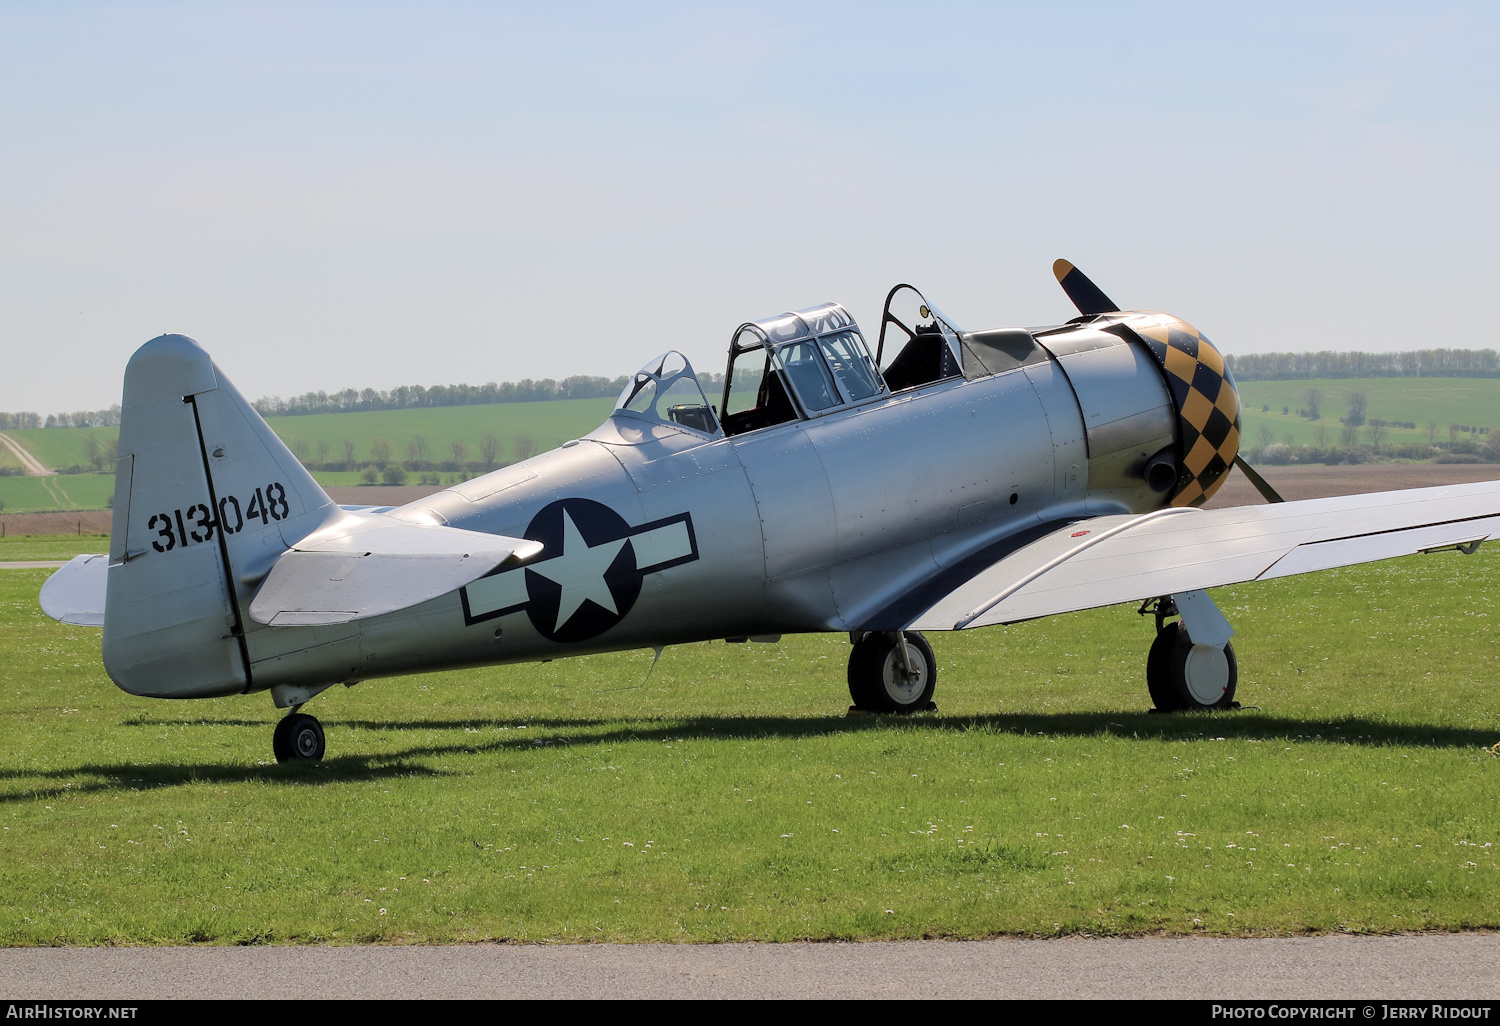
x=814 y=362
x=918 y=344
x=666 y=391
x=806 y=363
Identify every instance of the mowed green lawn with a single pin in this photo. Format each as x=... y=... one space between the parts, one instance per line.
x=21 y=547
x=728 y=795
x=1420 y=401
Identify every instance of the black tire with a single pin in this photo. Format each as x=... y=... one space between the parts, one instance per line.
x=1185 y=677
x=298 y=737
x=877 y=679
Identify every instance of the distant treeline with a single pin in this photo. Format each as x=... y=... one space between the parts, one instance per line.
x=1418 y=363
x=83 y=418
x=410 y=397
x=407 y=397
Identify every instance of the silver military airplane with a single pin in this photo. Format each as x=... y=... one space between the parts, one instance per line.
x=955 y=479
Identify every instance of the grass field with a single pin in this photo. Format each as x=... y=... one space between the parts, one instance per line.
x=1443 y=401
x=1474 y=401
x=727 y=795
x=548 y=424
x=62 y=491
x=62 y=447
x=65 y=546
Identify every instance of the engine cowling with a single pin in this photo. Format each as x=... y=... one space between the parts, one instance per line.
x=1204 y=396
x=1160 y=409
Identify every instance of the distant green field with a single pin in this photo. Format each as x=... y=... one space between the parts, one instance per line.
x=62 y=447
x=320 y=438
x=728 y=796
x=1443 y=401
x=60 y=492
x=548 y=424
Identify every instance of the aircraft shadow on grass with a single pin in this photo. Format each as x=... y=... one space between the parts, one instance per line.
x=542 y=734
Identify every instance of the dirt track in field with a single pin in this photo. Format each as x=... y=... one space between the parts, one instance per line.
x=32 y=465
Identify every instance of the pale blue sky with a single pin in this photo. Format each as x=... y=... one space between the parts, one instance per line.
x=339 y=194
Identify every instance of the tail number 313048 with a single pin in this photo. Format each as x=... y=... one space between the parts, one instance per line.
x=183 y=527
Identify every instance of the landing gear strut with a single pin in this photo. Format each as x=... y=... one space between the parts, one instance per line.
x=1185 y=674
x=890 y=678
x=298 y=736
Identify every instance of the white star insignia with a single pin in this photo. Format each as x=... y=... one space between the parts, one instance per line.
x=579 y=571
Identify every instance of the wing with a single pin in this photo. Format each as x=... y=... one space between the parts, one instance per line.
x=1110 y=559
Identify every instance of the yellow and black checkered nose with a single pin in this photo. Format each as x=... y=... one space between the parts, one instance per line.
x=1208 y=404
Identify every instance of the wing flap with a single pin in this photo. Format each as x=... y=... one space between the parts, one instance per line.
x=1114 y=559
x=369 y=565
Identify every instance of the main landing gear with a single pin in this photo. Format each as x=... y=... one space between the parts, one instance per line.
x=1191 y=664
x=298 y=736
x=890 y=677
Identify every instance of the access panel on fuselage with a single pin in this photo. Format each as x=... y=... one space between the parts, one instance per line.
x=935 y=462
x=794 y=506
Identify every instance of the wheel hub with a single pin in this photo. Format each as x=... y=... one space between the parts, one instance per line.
x=1207 y=673
x=902 y=686
x=307 y=743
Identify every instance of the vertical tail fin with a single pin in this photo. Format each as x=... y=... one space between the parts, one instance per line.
x=206 y=498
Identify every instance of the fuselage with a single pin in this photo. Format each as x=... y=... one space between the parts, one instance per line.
x=656 y=533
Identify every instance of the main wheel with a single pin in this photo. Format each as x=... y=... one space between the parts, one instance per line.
x=298 y=736
x=1185 y=676
x=878 y=681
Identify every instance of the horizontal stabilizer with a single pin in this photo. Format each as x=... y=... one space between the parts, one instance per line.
x=1125 y=558
x=75 y=593
x=367 y=565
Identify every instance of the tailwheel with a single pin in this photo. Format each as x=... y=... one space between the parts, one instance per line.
x=298 y=736
x=1183 y=676
x=887 y=678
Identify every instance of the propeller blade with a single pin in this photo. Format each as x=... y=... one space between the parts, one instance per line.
x=1261 y=484
x=1084 y=293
